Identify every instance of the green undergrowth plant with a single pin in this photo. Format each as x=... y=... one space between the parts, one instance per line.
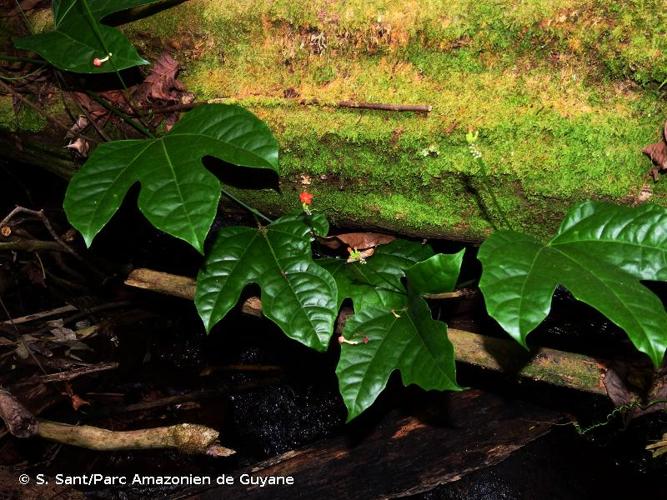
x=601 y=252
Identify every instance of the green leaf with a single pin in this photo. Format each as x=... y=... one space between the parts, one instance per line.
x=178 y=195
x=378 y=281
x=600 y=253
x=297 y=294
x=437 y=274
x=392 y=328
x=405 y=338
x=75 y=42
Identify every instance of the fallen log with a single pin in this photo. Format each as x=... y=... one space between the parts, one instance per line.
x=330 y=78
x=555 y=367
x=460 y=433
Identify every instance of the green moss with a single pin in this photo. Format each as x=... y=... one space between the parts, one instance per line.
x=27 y=119
x=563 y=92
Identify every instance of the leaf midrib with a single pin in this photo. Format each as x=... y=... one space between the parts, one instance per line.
x=613 y=292
x=180 y=194
x=289 y=283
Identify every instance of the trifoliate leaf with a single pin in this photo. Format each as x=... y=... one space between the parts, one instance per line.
x=297 y=294
x=405 y=339
x=178 y=195
x=599 y=254
x=75 y=42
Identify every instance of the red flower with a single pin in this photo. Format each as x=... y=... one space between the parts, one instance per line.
x=97 y=62
x=306 y=198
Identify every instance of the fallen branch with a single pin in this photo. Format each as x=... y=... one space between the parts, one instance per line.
x=70 y=374
x=187 y=438
x=419 y=108
x=40 y=315
x=378 y=106
x=39 y=214
x=560 y=368
x=30 y=246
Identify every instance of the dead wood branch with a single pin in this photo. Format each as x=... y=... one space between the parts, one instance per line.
x=18 y=420
x=40 y=315
x=377 y=106
x=30 y=246
x=70 y=374
x=187 y=438
x=39 y=214
x=560 y=368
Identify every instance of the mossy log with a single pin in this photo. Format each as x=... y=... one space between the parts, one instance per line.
x=564 y=94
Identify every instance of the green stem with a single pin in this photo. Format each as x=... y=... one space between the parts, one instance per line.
x=96 y=29
x=120 y=114
x=25 y=18
x=22 y=77
x=250 y=209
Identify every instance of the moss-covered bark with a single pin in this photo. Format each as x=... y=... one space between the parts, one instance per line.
x=564 y=93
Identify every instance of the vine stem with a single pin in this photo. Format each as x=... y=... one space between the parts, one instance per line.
x=250 y=209
x=93 y=23
x=137 y=126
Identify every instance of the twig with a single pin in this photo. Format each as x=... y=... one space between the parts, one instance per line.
x=71 y=374
x=40 y=215
x=419 y=108
x=40 y=315
x=416 y=108
x=187 y=438
x=31 y=246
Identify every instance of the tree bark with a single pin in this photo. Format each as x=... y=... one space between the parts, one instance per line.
x=403 y=456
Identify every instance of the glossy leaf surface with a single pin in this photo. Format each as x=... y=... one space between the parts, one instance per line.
x=392 y=328
x=437 y=274
x=600 y=253
x=402 y=338
x=178 y=194
x=75 y=42
x=297 y=294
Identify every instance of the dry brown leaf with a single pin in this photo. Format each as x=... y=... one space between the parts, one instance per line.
x=657 y=152
x=161 y=83
x=80 y=146
x=78 y=402
x=357 y=241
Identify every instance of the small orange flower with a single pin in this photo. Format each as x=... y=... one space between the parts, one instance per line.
x=306 y=198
